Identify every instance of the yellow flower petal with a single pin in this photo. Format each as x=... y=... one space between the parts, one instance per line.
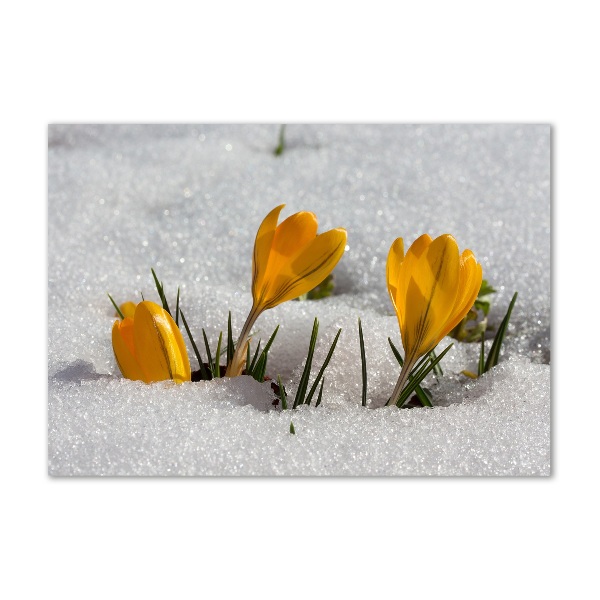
x=159 y=344
x=394 y=260
x=262 y=249
x=286 y=253
x=308 y=268
x=128 y=309
x=470 y=374
x=291 y=237
x=123 y=347
x=468 y=289
x=414 y=253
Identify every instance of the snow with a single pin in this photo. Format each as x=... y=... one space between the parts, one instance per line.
x=187 y=200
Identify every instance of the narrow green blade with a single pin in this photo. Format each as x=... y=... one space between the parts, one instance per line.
x=437 y=370
x=261 y=368
x=177 y=309
x=204 y=374
x=250 y=371
x=117 y=308
x=281 y=145
x=301 y=391
x=424 y=364
x=363 y=362
x=422 y=394
x=261 y=365
x=320 y=396
x=396 y=353
x=494 y=355
x=230 y=346
x=217 y=368
x=418 y=377
x=211 y=363
x=481 y=365
x=282 y=394
x=161 y=292
x=292 y=430
x=313 y=388
x=270 y=342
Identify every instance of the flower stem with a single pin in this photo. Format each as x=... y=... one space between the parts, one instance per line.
x=236 y=366
x=404 y=373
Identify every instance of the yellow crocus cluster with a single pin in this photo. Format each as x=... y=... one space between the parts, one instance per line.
x=432 y=287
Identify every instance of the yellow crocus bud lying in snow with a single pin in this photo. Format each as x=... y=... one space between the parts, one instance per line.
x=432 y=288
x=289 y=260
x=149 y=346
x=128 y=309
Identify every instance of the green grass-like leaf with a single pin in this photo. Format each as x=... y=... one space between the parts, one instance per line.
x=204 y=374
x=322 y=370
x=437 y=370
x=161 y=292
x=485 y=289
x=292 y=430
x=494 y=355
x=422 y=394
x=217 y=366
x=301 y=396
x=396 y=353
x=481 y=364
x=281 y=145
x=230 y=344
x=282 y=393
x=418 y=377
x=247 y=356
x=320 y=397
x=250 y=369
x=363 y=362
x=301 y=391
x=177 y=309
x=116 y=307
x=261 y=366
x=211 y=363
x=421 y=364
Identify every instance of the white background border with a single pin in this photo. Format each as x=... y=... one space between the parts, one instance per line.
x=281 y=62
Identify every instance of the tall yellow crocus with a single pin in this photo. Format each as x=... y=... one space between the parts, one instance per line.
x=149 y=346
x=432 y=288
x=289 y=260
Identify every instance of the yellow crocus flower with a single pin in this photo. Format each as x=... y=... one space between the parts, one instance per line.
x=149 y=346
x=432 y=288
x=128 y=309
x=289 y=260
